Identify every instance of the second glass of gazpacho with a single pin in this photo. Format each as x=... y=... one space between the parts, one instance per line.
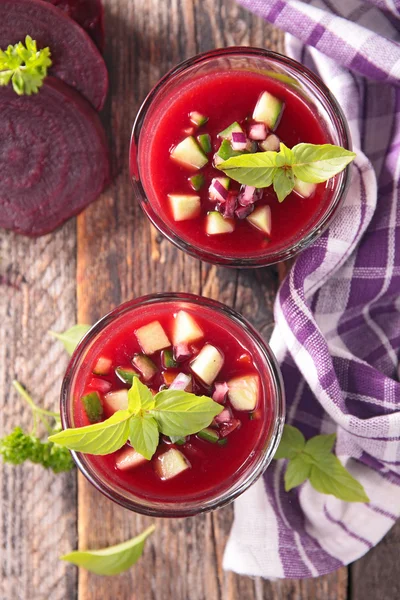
x=289 y=141
x=172 y=404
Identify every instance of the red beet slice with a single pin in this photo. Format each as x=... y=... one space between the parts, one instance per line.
x=89 y=14
x=76 y=60
x=53 y=157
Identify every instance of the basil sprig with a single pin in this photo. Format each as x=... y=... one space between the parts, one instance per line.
x=313 y=460
x=307 y=162
x=170 y=412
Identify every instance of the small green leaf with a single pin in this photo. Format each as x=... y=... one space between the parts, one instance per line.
x=297 y=472
x=134 y=396
x=25 y=66
x=320 y=445
x=330 y=477
x=180 y=413
x=283 y=183
x=285 y=156
x=101 y=438
x=292 y=442
x=257 y=169
x=315 y=164
x=112 y=560
x=71 y=337
x=144 y=435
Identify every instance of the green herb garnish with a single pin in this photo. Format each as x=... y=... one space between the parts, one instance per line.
x=25 y=66
x=112 y=560
x=313 y=460
x=18 y=446
x=307 y=162
x=170 y=412
x=71 y=337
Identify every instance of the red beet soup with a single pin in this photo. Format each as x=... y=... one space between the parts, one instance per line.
x=216 y=106
x=166 y=340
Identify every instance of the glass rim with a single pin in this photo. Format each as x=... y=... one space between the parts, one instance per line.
x=253 y=470
x=261 y=260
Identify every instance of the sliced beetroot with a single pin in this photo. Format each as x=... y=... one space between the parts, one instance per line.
x=89 y=14
x=76 y=60
x=53 y=157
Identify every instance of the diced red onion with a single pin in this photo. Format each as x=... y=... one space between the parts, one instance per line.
x=227 y=428
x=220 y=392
x=182 y=351
x=239 y=140
x=224 y=417
x=258 y=131
x=217 y=191
x=180 y=382
x=243 y=211
x=227 y=210
x=249 y=194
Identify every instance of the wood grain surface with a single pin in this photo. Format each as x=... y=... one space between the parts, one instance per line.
x=111 y=254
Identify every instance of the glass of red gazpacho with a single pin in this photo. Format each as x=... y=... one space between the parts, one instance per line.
x=221 y=104
x=175 y=343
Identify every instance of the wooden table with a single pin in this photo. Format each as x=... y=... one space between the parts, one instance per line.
x=106 y=256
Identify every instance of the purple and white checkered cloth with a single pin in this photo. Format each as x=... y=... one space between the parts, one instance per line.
x=337 y=333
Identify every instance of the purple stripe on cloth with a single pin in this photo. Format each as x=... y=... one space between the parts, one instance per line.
x=382 y=512
x=346 y=529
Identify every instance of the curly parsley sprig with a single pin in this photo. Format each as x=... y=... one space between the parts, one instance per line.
x=24 y=66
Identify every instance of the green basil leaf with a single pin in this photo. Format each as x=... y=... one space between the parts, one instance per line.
x=71 y=337
x=139 y=397
x=285 y=156
x=112 y=560
x=100 y=438
x=292 y=442
x=320 y=445
x=283 y=183
x=251 y=169
x=297 y=472
x=180 y=413
x=330 y=477
x=144 y=435
x=315 y=164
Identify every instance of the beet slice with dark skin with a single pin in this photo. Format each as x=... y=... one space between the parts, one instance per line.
x=53 y=157
x=76 y=60
x=89 y=14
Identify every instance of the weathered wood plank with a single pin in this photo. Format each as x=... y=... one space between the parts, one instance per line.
x=38 y=508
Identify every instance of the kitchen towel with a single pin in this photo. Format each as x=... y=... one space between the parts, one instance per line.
x=337 y=314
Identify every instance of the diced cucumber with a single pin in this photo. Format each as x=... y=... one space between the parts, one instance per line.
x=185 y=329
x=170 y=464
x=268 y=110
x=215 y=223
x=152 y=337
x=303 y=188
x=271 y=143
x=226 y=134
x=223 y=442
x=243 y=392
x=116 y=400
x=128 y=459
x=93 y=407
x=145 y=365
x=197 y=181
x=177 y=439
x=261 y=218
x=189 y=153
x=197 y=118
x=204 y=141
x=207 y=364
x=225 y=151
x=209 y=435
x=167 y=359
x=125 y=374
x=184 y=206
x=102 y=366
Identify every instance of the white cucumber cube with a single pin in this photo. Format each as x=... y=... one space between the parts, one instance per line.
x=116 y=400
x=103 y=366
x=170 y=464
x=303 y=188
x=152 y=337
x=271 y=143
x=128 y=459
x=189 y=153
x=184 y=206
x=243 y=392
x=226 y=134
x=207 y=364
x=186 y=329
x=261 y=218
x=268 y=110
x=216 y=224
